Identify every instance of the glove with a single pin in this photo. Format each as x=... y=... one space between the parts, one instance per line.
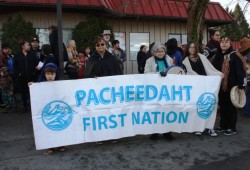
x=163 y=74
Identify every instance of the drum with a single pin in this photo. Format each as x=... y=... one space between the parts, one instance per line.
x=238 y=97
x=176 y=70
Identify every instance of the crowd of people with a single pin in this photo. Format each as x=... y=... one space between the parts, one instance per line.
x=33 y=64
x=29 y=63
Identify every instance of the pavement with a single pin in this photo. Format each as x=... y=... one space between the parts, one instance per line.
x=186 y=151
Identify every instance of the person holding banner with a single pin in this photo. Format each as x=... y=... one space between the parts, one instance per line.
x=50 y=73
x=159 y=62
x=232 y=65
x=198 y=64
x=101 y=63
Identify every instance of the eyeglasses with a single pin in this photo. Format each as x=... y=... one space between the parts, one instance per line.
x=160 y=51
x=98 y=45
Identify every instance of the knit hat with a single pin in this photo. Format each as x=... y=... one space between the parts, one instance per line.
x=244 y=44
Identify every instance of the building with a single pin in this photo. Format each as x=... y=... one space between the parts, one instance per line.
x=134 y=22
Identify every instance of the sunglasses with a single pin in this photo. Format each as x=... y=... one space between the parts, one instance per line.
x=98 y=45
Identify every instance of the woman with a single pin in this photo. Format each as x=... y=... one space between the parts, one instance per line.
x=159 y=62
x=25 y=69
x=73 y=64
x=198 y=64
x=101 y=63
x=53 y=40
x=213 y=44
x=141 y=59
x=173 y=51
x=232 y=65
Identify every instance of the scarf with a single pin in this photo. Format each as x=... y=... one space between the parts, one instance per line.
x=161 y=59
x=226 y=68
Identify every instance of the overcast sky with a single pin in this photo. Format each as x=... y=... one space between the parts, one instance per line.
x=231 y=4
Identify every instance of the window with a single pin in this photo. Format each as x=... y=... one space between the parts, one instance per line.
x=179 y=37
x=136 y=40
x=43 y=35
x=121 y=37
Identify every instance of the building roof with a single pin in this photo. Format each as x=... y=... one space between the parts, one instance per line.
x=165 y=9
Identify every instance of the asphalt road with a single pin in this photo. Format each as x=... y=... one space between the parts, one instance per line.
x=186 y=151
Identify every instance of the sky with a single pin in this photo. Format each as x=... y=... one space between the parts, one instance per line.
x=231 y=4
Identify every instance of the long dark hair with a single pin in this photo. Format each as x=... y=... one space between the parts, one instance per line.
x=187 y=54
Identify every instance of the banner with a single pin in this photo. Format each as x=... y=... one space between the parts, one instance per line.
x=87 y=110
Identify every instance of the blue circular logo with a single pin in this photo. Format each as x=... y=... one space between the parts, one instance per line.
x=205 y=105
x=57 y=115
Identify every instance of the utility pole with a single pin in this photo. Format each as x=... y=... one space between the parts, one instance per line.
x=60 y=40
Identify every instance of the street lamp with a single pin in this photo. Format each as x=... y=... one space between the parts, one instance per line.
x=60 y=40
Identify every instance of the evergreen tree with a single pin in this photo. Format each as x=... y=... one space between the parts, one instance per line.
x=241 y=23
x=239 y=28
x=15 y=29
x=87 y=31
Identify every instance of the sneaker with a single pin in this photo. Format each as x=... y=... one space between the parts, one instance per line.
x=3 y=105
x=113 y=141
x=229 y=132
x=99 y=143
x=198 y=133
x=212 y=132
x=219 y=129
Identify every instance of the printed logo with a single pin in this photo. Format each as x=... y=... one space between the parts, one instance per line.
x=205 y=105
x=57 y=115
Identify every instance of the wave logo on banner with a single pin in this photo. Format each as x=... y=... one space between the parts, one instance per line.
x=205 y=105
x=57 y=115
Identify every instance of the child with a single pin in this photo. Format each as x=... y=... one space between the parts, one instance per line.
x=50 y=73
x=6 y=84
x=82 y=63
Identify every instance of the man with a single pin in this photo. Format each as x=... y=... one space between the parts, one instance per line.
x=106 y=36
x=35 y=48
x=245 y=51
x=119 y=54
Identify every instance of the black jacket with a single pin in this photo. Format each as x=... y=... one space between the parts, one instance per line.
x=53 y=40
x=25 y=66
x=141 y=61
x=98 y=66
x=236 y=70
x=211 y=48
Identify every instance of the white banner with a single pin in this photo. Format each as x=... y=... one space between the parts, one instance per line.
x=87 y=110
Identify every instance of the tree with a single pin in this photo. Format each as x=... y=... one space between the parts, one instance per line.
x=195 y=22
x=87 y=31
x=15 y=29
x=228 y=29
x=239 y=28
x=240 y=23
